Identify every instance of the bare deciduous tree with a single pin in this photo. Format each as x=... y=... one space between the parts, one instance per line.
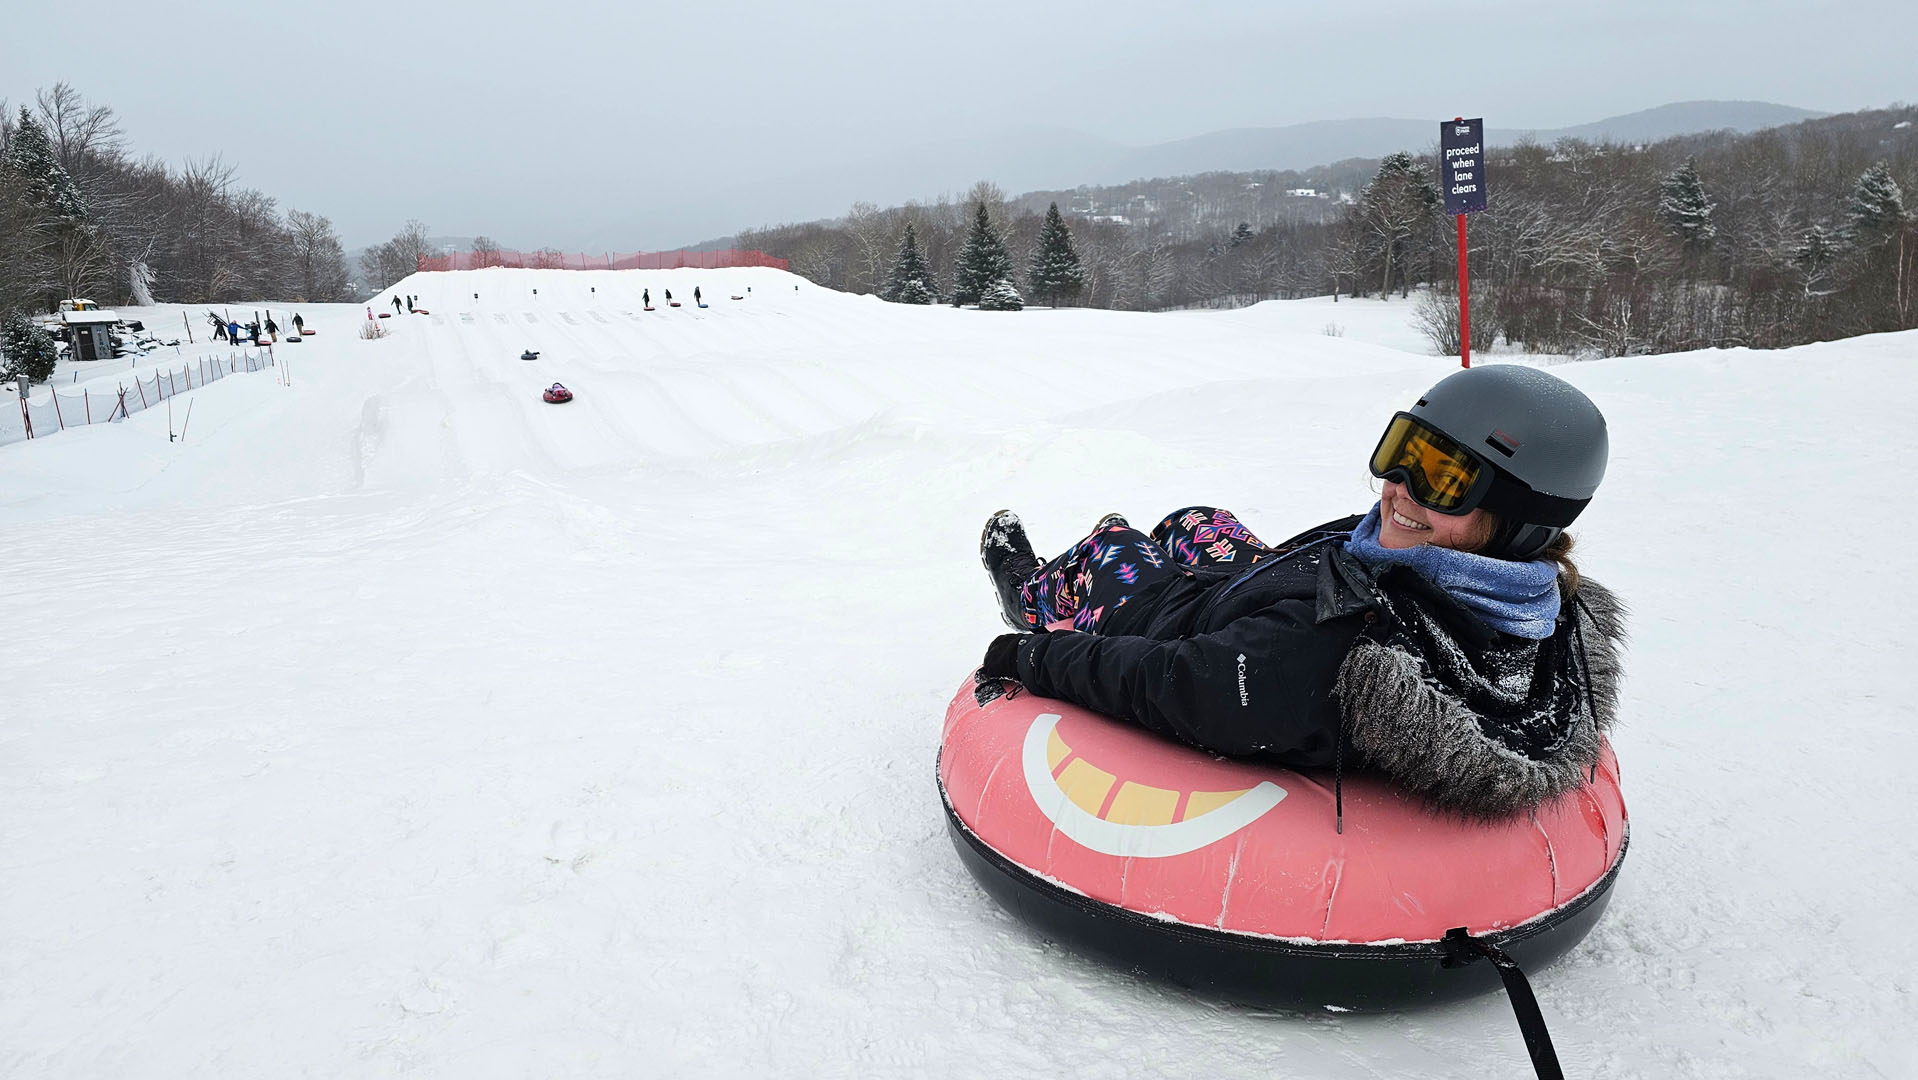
x=318 y=258
x=872 y=241
x=78 y=130
x=400 y=256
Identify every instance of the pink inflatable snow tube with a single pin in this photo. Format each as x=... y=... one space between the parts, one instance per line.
x=1230 y=876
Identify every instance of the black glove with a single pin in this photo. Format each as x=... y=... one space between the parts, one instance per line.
x=1002 y=657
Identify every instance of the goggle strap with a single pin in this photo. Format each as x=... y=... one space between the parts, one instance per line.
x=1513 y=501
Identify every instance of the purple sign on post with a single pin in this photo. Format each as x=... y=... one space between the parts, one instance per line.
x=1462 y=164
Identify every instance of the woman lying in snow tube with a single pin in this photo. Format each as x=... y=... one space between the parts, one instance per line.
x=557 y=395
x=1416 y=699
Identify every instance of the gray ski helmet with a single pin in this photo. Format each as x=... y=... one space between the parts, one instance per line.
x=1543 y=438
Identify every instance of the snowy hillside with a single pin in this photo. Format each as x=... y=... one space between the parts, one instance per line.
x=396 y=723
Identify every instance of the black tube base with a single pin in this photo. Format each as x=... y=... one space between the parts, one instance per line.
x=1261 y=971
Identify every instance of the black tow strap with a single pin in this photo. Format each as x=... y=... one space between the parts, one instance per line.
x=986 y=691
x=1461 y=949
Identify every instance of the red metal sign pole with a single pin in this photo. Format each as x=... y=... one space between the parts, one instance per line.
x=1464 y=303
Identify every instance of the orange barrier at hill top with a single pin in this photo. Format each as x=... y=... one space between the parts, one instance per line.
x=559 y=260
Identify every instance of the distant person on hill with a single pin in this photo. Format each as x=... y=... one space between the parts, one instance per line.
x=646 y=297
x=299 y=324
x=396 y=303
x=696 y=298
x=233 y=332
x=409 y=305
x=253 y=332
x=219 y=329
x=272 y=328
x=669 y=295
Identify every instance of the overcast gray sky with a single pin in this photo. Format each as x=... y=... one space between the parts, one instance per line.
x=649 y=125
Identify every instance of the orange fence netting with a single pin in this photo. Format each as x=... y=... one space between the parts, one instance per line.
x=639 y=260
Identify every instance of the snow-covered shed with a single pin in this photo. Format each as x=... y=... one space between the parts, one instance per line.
x=89 y=332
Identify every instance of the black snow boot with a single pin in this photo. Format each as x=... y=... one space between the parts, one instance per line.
x=1009 y=561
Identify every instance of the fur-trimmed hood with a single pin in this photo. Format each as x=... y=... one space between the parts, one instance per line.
x=1474 y=721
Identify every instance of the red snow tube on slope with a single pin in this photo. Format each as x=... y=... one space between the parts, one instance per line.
x=557 y=395
x=1229 y=877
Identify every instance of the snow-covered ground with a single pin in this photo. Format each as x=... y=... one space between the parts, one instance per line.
x=398 y=724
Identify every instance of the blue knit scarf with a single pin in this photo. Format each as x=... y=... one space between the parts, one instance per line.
x=1519 y=598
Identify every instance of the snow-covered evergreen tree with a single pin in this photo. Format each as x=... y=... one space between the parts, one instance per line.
x=1391 y=211
x=1241 y=234
x=25 y=349
x=1815 y=258
x=1685 y=208
x=1055 y=272
x=1815 y=250
x=915 y=292
x=43 y=181
x=1001 y=296
x=1877 y=207
x=982 y=261
x=910 y=279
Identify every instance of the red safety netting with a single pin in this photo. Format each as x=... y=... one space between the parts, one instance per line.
x=639 y=260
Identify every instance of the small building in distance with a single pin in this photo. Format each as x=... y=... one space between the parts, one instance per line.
x=88 y=329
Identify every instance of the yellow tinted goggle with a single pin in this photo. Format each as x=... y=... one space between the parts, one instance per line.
x=1438 y=473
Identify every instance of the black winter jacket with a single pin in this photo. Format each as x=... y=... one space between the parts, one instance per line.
x=1311 y=657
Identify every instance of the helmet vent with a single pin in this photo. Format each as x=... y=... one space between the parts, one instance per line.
x=1502 y=442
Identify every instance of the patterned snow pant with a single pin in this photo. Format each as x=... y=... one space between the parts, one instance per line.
x=1099 y=574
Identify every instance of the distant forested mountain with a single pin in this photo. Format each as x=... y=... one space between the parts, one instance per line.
x=1768 y=238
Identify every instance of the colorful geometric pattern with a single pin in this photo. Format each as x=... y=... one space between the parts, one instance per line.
x=1092 y=579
